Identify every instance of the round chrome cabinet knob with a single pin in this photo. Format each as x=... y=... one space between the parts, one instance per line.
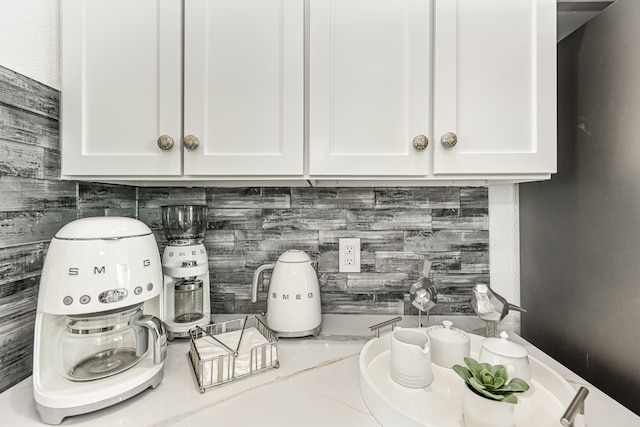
x=420 y=142
x=191 y=142
x=165 y=142
x=449 y=140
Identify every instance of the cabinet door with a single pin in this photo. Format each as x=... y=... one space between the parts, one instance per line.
x=495 y=86
x=369 y=86
x=121 y=86
x=244 y=89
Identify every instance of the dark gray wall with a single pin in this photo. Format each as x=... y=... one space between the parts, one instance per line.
x=580 y=232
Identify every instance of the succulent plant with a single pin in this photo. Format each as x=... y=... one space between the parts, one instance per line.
x=490 y=381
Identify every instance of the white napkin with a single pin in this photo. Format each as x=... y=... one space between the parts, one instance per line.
x=214 y=360
x=252 y=340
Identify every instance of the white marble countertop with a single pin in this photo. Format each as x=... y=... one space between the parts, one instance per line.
x=315 y=385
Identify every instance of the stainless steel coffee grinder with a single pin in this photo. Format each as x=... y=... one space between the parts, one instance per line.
x=185 y=266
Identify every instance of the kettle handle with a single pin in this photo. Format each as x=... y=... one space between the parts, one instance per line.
x=256 y=277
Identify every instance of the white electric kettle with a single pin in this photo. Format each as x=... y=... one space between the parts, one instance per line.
x=293 y=300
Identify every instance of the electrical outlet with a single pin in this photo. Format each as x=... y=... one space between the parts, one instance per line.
x=349 y=255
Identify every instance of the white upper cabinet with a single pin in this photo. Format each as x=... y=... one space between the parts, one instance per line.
x=495 y=86
x=369 y=87
x=244 y=87
x=309 y=91
x=121 y=87
x=494 y=90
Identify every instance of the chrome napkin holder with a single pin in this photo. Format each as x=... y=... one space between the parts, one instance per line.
x=219 y=369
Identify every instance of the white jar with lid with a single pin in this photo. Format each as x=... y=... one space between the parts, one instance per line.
x=449 y=345
x=502 y=351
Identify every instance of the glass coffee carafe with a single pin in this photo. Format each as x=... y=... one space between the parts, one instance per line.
x=103 y=344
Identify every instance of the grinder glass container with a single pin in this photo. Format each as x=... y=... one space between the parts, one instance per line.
x=188 y=300
x=100 y=345
x=184 y=224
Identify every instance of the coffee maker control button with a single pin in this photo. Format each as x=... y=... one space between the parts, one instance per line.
x=137 y=290
x=149 y=287
x=67 y=300
x=85 y=299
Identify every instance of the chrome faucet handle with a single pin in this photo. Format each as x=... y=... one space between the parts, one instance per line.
x=424 y=295
x=425 y=268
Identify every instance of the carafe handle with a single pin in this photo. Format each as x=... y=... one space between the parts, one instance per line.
x=256 y=278
x=142 y=324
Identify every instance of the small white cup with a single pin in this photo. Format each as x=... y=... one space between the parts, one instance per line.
x=411 y=358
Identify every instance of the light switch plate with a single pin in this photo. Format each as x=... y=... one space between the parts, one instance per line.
x=349 y=255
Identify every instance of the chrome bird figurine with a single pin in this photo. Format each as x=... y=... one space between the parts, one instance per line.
x=491 y=306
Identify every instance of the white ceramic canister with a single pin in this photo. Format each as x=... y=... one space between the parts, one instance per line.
x=501 y=351
x=411 y=358
x=449 y=345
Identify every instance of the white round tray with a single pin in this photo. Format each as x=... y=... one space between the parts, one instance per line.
x=440 y=404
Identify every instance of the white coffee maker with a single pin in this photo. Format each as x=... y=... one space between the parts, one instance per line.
x=98 y=335
x=185 y=265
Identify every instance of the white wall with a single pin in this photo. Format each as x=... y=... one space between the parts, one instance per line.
x=29 y=45
x=29 y=39
x=504 y=247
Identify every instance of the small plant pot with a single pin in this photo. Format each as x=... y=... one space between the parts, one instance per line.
x=478 y=411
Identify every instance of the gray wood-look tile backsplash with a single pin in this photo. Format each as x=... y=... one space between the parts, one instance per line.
x=398 y=227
